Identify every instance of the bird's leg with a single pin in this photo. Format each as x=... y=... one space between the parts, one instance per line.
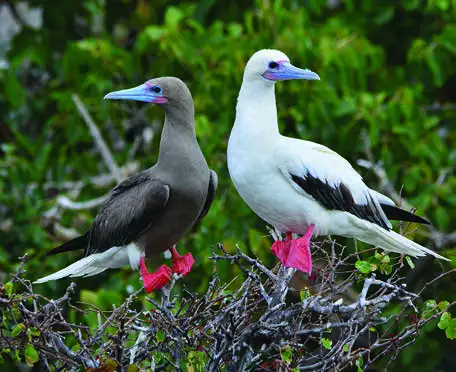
x=182 y=265
x=295 y=253
x=155 y=280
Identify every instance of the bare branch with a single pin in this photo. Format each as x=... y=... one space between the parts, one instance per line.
x=229 y=327
x=95 y=132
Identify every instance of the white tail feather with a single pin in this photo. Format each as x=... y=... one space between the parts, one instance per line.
x=114 y=257
x=75 y=269
x=394 y=242
x=86 y=270
x=95 y=271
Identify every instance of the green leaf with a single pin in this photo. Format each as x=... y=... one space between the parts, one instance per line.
x=327 y=344
x=363 y=266
x=173 y=16
x=305 y=293
x=14 y=91
x=191 y=356
x=17 y=330
x=76 y=348
x=31 y=355
x=451 y=330
x=32 y=332
x=109 y=365
x=384 y=16
x=154 y=33
x=429 y=307
x=346 y=348
x=15 y=355
x=360 y=363
x=285 y=352
x=445 y=320
x=8 y=288
x=235 y=30
x=387 y=269
x=410 y=262
x=443 y=305
x=160 y=336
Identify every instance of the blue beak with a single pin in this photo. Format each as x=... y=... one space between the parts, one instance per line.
x=287 y=71
x=141 y=93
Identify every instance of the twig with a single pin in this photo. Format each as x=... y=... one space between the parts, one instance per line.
x=95 y=132
x=232 y=328
x=64 y=202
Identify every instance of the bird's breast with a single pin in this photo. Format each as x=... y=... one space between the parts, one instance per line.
x=188 y=191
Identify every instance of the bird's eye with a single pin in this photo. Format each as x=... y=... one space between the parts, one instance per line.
x=156 y=89
x=273 y=65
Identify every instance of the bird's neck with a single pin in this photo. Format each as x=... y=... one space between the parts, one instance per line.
x=178 y=137
x=256 y=112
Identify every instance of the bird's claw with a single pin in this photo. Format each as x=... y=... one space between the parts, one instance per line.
x=156 y=280
x=182 y=265
x=295 y=253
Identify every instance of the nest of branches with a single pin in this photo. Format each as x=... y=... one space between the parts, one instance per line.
x=334 y=321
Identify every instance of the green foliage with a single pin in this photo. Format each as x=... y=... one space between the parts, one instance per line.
x=448 y=324
x=450 y=331
x=303 y=294
x=410 y=262
x=445 y=320
x=10 y=328
x=429 y=308
x=387 y=71
x=363 y=266
x=379 y=261
x=31 y=355
x=360 y=363
x=286 y=354
x=326 y=343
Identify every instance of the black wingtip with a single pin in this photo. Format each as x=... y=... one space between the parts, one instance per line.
x=398 y=214
x=72 y=245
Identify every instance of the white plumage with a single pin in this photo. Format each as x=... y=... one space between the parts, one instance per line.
x=262 y=162
x=96 y=263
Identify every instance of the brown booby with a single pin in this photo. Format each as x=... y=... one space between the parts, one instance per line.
x=149 y=212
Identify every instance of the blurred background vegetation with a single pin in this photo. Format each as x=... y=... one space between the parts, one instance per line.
x=387 y=91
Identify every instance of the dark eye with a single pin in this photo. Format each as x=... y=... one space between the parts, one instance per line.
x=156 y=89
x=273 y=65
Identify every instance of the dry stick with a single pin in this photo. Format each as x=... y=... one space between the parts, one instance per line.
x=233 y=326
x=66 y=203
x=100 y=181
x=95 y=132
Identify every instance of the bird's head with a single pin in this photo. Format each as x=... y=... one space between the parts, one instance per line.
x=161 y=91
x=273 y=65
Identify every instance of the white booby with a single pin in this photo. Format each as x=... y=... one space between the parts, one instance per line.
x=300 y=186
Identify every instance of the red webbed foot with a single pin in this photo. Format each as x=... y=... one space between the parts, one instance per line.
x=281 y=248
x=295 y=253
x=182 y=265
x=155 y=280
